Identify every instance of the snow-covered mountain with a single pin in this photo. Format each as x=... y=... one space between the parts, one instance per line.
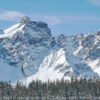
x=28 y=51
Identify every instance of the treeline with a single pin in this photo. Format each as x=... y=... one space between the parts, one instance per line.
x=83 y=89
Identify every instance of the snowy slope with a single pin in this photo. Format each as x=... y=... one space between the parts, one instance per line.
x=12 y=30
x=58 y=65
x=95 y=65
x=51 y=68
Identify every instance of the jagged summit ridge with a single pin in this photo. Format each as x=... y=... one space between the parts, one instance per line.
x=26 y=26
x=26 y=20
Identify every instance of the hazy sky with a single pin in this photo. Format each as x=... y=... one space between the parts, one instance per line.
x=62 y=16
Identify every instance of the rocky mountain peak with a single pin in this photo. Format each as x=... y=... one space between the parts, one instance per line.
x=25 y=20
